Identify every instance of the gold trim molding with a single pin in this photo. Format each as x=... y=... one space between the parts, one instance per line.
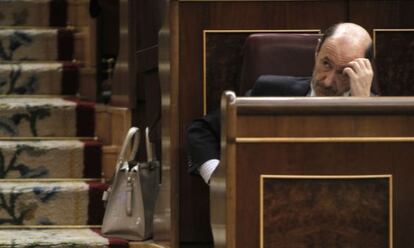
x=375 y=30
x=322 y=139
x=251 y=1
x=329 y=177
x=208 y=31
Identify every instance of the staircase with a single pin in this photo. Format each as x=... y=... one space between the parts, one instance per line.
x=51 y=147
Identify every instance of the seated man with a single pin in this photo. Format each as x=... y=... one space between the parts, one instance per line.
x=342 y=68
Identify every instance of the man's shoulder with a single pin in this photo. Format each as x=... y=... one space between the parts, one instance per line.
x=275 y=85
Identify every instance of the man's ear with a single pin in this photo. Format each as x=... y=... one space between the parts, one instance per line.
x=317 y=48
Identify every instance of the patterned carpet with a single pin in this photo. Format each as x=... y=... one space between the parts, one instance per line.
x=50 y=159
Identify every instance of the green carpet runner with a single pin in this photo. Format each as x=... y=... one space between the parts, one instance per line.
x=50 y=159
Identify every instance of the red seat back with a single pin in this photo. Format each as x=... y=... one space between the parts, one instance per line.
x=277 y=54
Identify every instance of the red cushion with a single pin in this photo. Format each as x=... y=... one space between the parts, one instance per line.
x=277 y=54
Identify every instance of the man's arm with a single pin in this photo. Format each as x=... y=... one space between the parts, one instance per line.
x=203 y=137
x=360 y=76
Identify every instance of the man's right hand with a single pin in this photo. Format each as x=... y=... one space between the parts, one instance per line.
x=360 y=76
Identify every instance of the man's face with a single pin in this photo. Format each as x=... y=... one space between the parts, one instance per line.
x=328 y=78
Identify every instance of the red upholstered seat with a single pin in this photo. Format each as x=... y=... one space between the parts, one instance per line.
x=277 y=54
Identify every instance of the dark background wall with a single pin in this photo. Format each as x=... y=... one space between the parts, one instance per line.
x=127 y=31
x=192 y=17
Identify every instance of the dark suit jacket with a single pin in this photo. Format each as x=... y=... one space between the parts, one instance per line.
x=203 y=134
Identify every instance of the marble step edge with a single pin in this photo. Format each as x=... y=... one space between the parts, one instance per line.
x=147 y=243
x=53 y=180
x=132 y=244
x=41 y=28
x=73 y=62
x=46 y=138
x=25 y=227
x=81 y=65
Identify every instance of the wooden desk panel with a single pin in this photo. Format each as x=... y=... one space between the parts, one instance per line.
x=325 y=126
x=326 y=158
x=325 y=211
x=319 y=142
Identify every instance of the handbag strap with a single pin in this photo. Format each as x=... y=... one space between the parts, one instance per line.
x=131 y=137
x=148 y=146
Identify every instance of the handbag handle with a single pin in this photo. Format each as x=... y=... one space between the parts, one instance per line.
x=148 y=146
x=132 y=136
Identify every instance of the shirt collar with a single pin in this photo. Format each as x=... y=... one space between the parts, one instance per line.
x=312 y=92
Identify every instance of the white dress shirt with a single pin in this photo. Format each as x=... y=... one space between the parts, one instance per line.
x=207 y=169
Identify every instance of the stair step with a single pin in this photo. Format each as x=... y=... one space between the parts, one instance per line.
x=46 y=44
x=46 y=117
x=53 y=78
x=51 y=203
x=48 y=197
x=57 y=238
x=33 y=13
x=50 y=159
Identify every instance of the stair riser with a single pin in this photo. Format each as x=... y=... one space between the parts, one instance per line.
x=44 y=13
x=18 y=44
x=50 y=159
x=58 y=121
x=23 y=117
x=62 y=203
x=30 y=13
x=34 y=44
x=39 y=79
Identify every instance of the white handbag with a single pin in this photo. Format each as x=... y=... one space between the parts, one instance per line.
x=132 y=195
